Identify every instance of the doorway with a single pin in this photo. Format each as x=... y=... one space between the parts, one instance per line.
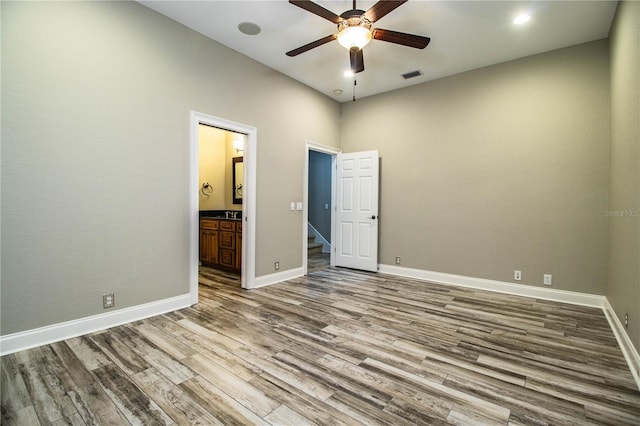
x=319 y=207
x=220 y=154
x=248 y=216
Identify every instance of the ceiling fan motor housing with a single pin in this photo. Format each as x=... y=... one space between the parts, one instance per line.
x=354 y=18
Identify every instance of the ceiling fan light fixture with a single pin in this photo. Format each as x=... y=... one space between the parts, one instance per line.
x=351 y=36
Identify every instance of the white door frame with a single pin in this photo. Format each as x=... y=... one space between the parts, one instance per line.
x=333 y=152
x=248 y=268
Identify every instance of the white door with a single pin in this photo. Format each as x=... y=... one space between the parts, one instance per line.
x=357 y=210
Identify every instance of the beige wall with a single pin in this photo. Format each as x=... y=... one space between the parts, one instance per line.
x=623 y=289
x=496 y=169
x=212 y=149
x=96 y=99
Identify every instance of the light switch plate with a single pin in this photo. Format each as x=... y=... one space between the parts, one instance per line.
x=299 y=205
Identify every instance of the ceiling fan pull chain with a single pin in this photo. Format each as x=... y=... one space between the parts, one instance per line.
x=354 y=89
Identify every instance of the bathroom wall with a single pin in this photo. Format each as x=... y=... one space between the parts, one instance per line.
x=216 y=151
x=212 y=148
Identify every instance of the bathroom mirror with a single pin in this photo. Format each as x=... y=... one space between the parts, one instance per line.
x=238 y=177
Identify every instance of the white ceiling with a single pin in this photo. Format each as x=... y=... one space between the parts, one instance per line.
x=464 y=35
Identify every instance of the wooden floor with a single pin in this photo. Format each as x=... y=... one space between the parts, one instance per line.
x=337 y=347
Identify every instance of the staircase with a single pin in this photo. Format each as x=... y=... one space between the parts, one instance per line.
x=314 y=248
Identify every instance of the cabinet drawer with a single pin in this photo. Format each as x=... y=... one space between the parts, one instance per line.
x=227 y=226
x=209 y=224
x=227 y=240
x=227 y=258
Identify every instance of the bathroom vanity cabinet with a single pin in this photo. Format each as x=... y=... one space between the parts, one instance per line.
x=221 y=243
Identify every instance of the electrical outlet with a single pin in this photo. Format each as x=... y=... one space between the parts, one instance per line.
x=276 y=266
x=397 y=260
x=626 y=320
x=517 y=275
x=547 y=279
x=108 y=300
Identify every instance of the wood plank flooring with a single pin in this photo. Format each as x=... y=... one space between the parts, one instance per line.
x=337 y=347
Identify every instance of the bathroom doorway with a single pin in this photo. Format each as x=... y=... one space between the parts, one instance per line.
x=221 y=177
x=227 y=195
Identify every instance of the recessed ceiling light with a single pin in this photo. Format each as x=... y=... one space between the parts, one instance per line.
x=249 y=28
x=521 y=19
x=337 y=92
x=348 y=73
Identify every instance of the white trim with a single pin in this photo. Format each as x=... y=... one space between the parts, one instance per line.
x=333 y=152
x=248 y=274
x=572 y=297
x=278 y=277
x=626 y=345
x=326 y=245
x=66 y=330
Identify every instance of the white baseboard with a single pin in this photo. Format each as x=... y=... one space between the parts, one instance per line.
x=628 y=350
x=277 y=277
x=66 y=330
x=573 y=297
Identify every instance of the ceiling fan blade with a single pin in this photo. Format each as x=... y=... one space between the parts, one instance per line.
x=311 y=45
x=357 y=60
x=316 y=9
x=411 y=40
x=382 y=8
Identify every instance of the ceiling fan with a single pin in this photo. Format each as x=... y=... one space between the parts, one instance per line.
x=355 y=32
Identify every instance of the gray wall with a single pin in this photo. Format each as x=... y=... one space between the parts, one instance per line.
x=95 y=154
x=496 y=169
x=320 y=192
x=623 y=289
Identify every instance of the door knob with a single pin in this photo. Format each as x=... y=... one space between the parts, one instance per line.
x=373 y=217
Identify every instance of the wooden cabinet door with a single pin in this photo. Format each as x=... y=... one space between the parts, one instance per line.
x=208 y=246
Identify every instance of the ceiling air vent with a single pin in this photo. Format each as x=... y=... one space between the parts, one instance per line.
x=411 y=74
